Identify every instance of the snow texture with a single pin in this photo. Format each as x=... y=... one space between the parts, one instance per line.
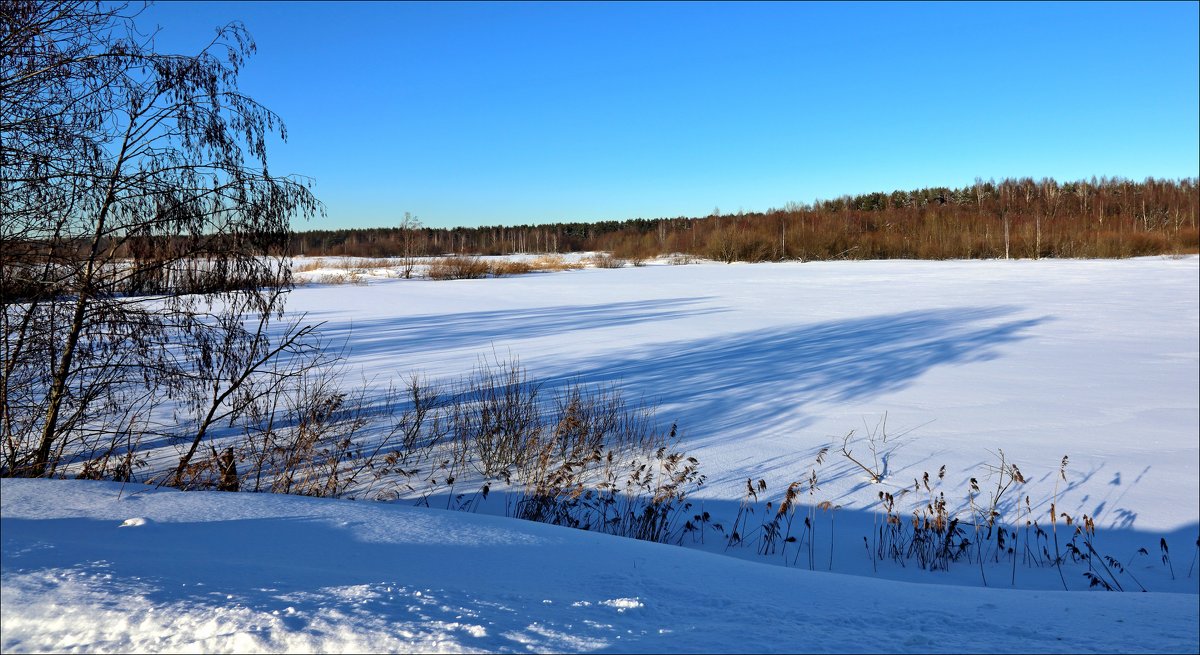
x=216 y=572
x=761 y=366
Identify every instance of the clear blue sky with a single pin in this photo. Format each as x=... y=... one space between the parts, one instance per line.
x=483 y=114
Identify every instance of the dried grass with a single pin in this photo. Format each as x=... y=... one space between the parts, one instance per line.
x=307 y=266
x=349 y=277
x=457 y=268
x=555 y=263
x=342 y=263
x=504 y=267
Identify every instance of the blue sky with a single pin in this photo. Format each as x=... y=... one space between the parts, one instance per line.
x=496 y=113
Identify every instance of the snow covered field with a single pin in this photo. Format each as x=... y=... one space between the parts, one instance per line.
x=761 y=366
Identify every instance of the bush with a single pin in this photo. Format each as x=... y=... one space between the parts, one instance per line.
x=457 y=268
x=605 y=260
x=504 y=267
x=731 y=244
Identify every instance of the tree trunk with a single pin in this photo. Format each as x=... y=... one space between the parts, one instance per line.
x=58 y=383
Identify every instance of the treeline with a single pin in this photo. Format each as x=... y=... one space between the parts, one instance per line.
x=1106 y=217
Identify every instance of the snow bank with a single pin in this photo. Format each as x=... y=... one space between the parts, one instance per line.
x=213 y=572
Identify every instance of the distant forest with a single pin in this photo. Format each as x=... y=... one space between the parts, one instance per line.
x=1011 y=218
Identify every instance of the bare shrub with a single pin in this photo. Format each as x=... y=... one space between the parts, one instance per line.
x=627 y=488
x=498 y=415
x=315 y=439
x=238 y=365
x=457 y=267
x=730 y=244
x=410 y=228
x=604 y=260
x=504 y=267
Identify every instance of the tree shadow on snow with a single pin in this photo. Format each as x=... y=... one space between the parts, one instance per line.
x=478 y=329
x=759 y=376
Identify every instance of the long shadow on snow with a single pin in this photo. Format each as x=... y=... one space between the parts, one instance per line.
x=478 y=329
x=838 y=546
x=475 y=330
x=755 y=378
x=758 y=376
x=265 y=560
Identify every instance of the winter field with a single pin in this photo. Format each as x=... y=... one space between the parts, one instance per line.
x=925 y=373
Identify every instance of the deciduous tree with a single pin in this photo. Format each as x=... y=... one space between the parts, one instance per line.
x=138 y=213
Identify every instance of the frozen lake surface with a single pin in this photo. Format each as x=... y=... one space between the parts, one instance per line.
x=761 y=366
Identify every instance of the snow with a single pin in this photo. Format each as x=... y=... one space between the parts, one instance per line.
x=220 y=572
x=761 y=366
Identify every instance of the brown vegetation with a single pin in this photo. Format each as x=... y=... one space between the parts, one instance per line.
x=1025 y=218
x=505 y=267
x=457 y=268
x=605 y=260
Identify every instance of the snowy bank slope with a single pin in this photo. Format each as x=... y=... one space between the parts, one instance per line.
x=84 y=570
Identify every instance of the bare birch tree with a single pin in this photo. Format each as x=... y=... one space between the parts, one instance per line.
x=138 y=213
